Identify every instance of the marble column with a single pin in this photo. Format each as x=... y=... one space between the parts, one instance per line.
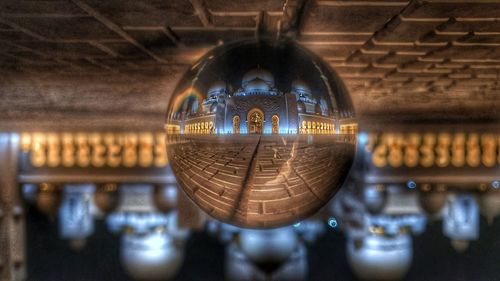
x=12 y=217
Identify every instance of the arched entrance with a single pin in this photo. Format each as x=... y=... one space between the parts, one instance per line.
x=236 y=124
x=275 y=121
x=255 y=119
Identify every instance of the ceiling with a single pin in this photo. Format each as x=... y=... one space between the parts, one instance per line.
x=94 y=64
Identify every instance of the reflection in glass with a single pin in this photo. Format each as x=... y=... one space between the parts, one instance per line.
x=260 y=134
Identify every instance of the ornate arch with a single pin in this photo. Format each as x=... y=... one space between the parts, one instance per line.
x=275 y=122
x=236 y=124
x=255 y=120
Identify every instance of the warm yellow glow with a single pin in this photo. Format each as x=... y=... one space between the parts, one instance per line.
x=160 y=150
x=53 y=150
x=25 y=141
x=38 y=148
x=98 y=158
x=316 y=127
x=349 y=128
x=83 y=149
x=442 y=149
x=205 y=127
x=145 y=149
x=173 y=129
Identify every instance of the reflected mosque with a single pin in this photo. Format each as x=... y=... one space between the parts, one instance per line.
x=259 y=107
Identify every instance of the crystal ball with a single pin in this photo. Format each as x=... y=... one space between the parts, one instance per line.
x=260 y=133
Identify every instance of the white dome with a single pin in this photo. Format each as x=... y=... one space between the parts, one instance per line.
x=217 y=87
x=257 y=85
x=380 y=257
x=150 y=257
x=299 y=86
x=268 y=245
x=259 y=73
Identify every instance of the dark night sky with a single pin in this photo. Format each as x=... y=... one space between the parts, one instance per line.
x=285 y=61
x=434 y=259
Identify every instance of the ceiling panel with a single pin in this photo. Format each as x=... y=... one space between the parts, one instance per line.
x=419 y=59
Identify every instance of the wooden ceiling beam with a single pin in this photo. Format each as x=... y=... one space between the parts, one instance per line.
x=293 y=13
x=115 y=28
x=17 y=27
x=202 y=11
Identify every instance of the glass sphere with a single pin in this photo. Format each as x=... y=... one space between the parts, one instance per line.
x=260 y=133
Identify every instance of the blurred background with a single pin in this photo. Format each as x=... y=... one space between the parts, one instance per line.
x=86 y=192
x=399 y=216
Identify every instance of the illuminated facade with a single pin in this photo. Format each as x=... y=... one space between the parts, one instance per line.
x=259 y=107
